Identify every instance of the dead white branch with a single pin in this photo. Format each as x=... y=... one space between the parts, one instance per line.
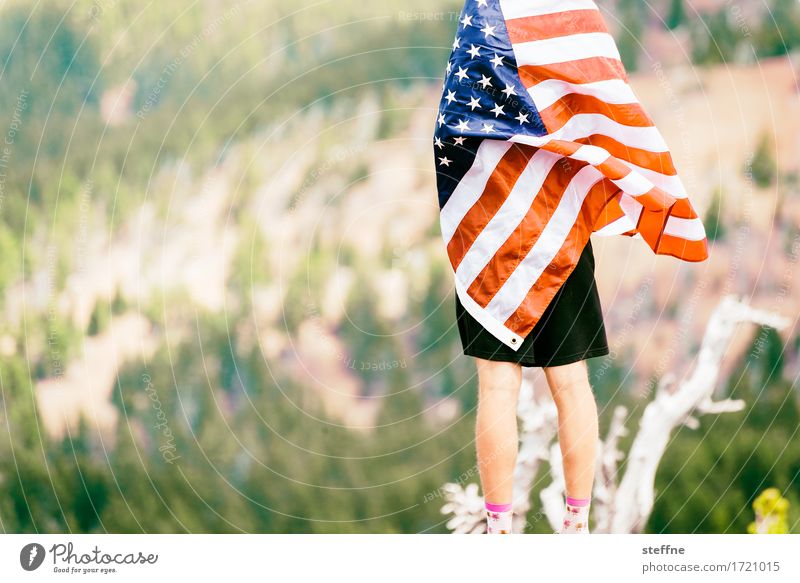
x=678 y=405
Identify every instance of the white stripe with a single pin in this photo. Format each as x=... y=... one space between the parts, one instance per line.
x=522 y=8
x=634 y=184
x=614 y=91
x=506 y=301
x=509 y=215
x=485 y=319
x=561 y=49
x=586 y=124
x=671 y=184
x=689 y=229
x=591 y=154
x=471 y=186
x=632 y=209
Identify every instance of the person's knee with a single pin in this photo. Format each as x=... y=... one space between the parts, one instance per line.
x=499 y=379
x=569 y=382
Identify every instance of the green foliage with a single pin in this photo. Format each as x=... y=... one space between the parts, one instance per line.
x=632 y=15
x=771 y=511
x=763 y=167
x=714 y=38
x=714 y=222
x=778 y=32
x=676 y=15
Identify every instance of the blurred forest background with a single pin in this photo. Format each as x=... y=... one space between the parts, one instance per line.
x=226 y=306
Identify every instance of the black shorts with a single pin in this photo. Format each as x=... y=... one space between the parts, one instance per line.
x=571 y=328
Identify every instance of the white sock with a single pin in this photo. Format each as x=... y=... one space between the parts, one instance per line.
x=498 y=518
x=576 y=516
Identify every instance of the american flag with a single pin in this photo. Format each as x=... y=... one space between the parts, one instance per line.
x=539 y=142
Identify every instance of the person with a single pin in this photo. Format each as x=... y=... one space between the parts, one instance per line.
x=540 y=143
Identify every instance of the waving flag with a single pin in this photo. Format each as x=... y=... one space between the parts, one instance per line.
x=540 y=142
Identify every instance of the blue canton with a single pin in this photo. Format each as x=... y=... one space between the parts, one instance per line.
x=482 y=96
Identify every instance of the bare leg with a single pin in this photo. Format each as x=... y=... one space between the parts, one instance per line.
x=496 y=438
x=577 y=425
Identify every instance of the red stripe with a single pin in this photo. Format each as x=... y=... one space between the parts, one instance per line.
x=542 y=291
x=628 y=114
x=500 y=183
x=519 y=243
x=579 y=71
x=546 y=26
x=660 y=162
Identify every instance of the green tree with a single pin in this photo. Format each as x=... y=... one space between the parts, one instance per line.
x=763 y=167
x=676 y=15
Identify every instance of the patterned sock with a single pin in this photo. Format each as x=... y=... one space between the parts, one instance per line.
x=576 y=516
x=498 y=518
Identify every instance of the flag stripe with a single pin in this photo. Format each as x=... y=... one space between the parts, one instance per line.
x=508 y=299
x=471 y=187
x=544 y=26
x=589 y=70
x=517 y=9
x=566 y=48
x=508 y=177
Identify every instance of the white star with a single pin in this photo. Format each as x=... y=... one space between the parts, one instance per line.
x=441 y=120
x=473 y=103
x=462 y=126
x=522 y=118
x=474 y=51
x=456 y=43
x=485 y=81
x=481 y=2
x=509 y=91
x=487 y=128
x=498 y=110
x=488 y=30
x=462 y=73
x=497 y=61
x=451 y=97
x=439 y=143
x=444 y=161
x=459 y=141
x=467 y=21
x=449 y=66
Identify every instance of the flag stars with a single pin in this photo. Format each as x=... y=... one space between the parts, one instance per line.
x=441 y=120
x=509 y=91
x=451 y=97
x=459 y=141
x=487 y=128
x=474 y=102
x=497 y=61
x=462 y=126
x=444 y=161
x=462 y=73
x=466 y=21
x=439 y=143
x=485 y=81
x=481 y=3
x=456 y=43
x=488 y=30
x=474 y=51
x=522 y=118
x=498 y=110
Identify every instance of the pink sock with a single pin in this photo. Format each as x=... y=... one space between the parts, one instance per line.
x=498 y=518
x=576 y=516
